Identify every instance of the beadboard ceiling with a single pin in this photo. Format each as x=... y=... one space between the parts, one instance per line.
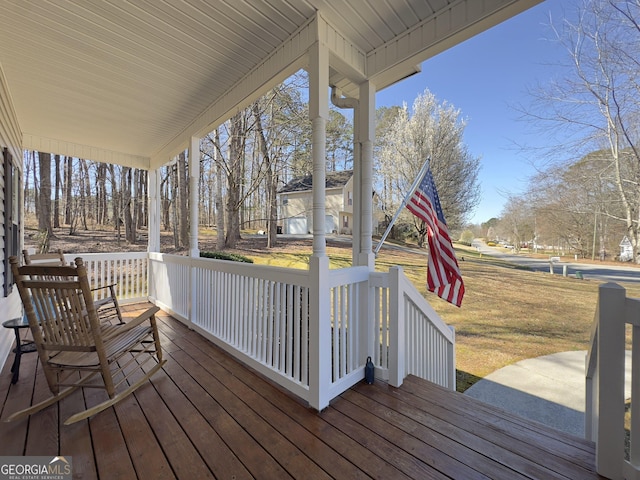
x=131 y=76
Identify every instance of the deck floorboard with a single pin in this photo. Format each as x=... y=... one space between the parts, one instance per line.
x=207 y=416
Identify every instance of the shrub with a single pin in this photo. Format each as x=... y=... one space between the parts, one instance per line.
x=232 y=257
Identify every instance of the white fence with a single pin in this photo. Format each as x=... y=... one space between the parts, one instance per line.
x=128 y=271
x=310 y=331
x=413 y=339
x=605 y=383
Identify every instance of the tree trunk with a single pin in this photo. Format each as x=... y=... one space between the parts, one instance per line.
x=165 y=199
x=219 y=203
x=56 y=194
x=142 y=200
x=102 y=207
x=129 y=227
x=116 y=198
x=183 y=193
x=26 y=193
x=271 y=182
x=68 y=182
x=234 y=180
x=44 y=212
x=136 y=206
x=82 y=178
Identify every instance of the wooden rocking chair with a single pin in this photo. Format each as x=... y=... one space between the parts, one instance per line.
x=75 y=349
x=108 y=307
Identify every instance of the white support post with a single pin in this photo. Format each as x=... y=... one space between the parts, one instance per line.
x=319 y=113
x=451 y=358
x=356 y=217
x=608 y=404
x=153 y=241
x=319 y=334
x=319 y=301
x=396 y=329
x=366 y=137
x=365 y=132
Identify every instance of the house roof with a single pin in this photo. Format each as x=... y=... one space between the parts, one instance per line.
x=303 y=184
x=131 y=81
x=625 y=242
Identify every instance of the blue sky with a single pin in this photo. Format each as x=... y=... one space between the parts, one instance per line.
x=486 y=77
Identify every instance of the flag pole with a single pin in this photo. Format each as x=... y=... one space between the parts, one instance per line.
x=418 y=179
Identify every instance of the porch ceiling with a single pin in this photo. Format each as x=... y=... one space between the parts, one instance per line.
x=130 y=81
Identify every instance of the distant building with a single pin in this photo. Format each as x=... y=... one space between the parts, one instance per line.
x=626 y=250
x=295 y=201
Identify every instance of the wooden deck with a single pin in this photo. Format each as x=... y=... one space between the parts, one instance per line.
x=207 y=416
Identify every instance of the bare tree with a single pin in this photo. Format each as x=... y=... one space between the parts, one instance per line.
x=596 y=105
x=433 y=131
x=271 y=180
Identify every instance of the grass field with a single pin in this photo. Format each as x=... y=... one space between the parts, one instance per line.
x=508 y=313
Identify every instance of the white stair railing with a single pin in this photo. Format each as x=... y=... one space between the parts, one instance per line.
x=605 y=383
x=411 y=338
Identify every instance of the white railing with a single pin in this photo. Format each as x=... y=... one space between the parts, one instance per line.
x=605 y=383
x=410 y=337
x=128 y=271
x=310 y=331
x=349 y=289
x=258 y=314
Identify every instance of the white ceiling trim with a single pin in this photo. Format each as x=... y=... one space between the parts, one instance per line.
x=345 y=56
x=61 y=147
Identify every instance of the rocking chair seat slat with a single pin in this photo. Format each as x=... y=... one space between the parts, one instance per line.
x=114 y=348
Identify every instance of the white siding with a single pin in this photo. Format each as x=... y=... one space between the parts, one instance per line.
x=9 y=138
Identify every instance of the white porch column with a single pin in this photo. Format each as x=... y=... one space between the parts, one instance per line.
x=319 y=293
x=194 y=185
x=366 y=136
x=153 y=240
x=319 y=113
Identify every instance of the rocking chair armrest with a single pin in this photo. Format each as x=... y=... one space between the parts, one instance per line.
x=144 y=316
x=110 y=286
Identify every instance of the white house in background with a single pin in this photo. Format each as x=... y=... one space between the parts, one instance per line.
x=626 y=250
x=295 y=201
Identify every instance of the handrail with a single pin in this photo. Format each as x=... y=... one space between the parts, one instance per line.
x=605 y=383
x=413 y=338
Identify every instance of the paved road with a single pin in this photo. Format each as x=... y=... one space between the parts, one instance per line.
x=604 y=273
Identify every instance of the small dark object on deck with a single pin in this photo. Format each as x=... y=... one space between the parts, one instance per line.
x=368 y=371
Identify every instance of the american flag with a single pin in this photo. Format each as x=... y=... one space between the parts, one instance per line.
x=443 y=273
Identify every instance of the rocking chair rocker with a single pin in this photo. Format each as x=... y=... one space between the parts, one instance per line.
x=75 y=349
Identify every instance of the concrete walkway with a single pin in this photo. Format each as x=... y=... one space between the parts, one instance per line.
x=549 y=389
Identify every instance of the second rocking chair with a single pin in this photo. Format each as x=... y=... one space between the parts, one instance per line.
x=75 y=349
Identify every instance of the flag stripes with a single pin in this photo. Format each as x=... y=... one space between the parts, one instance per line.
x=443 y=273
